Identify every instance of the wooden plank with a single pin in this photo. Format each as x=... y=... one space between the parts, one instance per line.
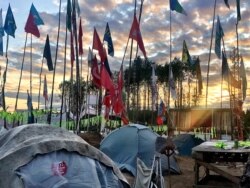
x=223 y=173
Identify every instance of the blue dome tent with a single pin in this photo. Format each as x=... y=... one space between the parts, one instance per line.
x=125 y=144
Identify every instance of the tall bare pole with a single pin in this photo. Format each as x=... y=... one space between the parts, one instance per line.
x=64 y=73
x=209 y=57
x=53 y=82
x=77 y=69
x=40 y=83
x=20 y=79
x=130 y=64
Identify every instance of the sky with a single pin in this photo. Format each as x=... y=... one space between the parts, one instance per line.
x=195 y=29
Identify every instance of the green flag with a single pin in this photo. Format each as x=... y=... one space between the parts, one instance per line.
x=186 y=58
x=238 y=10
x=68 y=18
x=175 y=5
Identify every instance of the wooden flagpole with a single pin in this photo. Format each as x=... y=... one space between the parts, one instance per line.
x=40 y=83
x=64 y=73
x=209 y=57
x=4 y=80
x=77 y=70
x=53 y=82
x=20 y=79
x=31 y=66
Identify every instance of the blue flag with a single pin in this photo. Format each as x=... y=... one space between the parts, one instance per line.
x=1 y=33
x=218 y=37
x=47 y=54
x=107 y=37
x=10 y=24
x=175 y=5
x=37 y=19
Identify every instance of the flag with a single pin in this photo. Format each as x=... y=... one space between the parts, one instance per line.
x=47 y=54
x=135 y=34
x=175 y=5
x=68 y=16
x=117 y=102
x=77 y=7
x=227 y=4
x=96 y=78
x=31 y=27
x=10 y=24
x=227 y=75
x=106 y=63
x=106 y=80
x=45 y=89
x=243 y=78
x=198 y=75
x=218 y=37
x=80 y=38
x=1 y=33
x=37 y=19
x=72 y=52
x=186 y=58
x=97 y=45
x=107 y=37
x=90 y=57
x=172 y=83
x=238 y=10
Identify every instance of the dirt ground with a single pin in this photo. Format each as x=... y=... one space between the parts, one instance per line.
x=184 y=180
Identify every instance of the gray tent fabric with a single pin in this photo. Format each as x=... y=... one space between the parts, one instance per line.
x=20 y=145
x=124 y=145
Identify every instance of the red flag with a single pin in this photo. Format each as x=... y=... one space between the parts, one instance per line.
x=80 y=38
x=45 y=90
x=124 y=118
x=97 y=45
x=72 y=52
x=135 y=34
x=107 y=99
x=106 y=80
x=118 y=105
x=96 y=79
x=31 y=26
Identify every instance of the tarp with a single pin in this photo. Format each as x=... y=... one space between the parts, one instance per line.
x=185 y=142
x=125 y=144
x=21 y=145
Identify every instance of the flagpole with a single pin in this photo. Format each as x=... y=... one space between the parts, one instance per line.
x=19 y=84
x=40 y=83
x=4 y=79
x=64 y=73
x=209 y=57
x=31 y=66
x=77 y=70
x=53 y=82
